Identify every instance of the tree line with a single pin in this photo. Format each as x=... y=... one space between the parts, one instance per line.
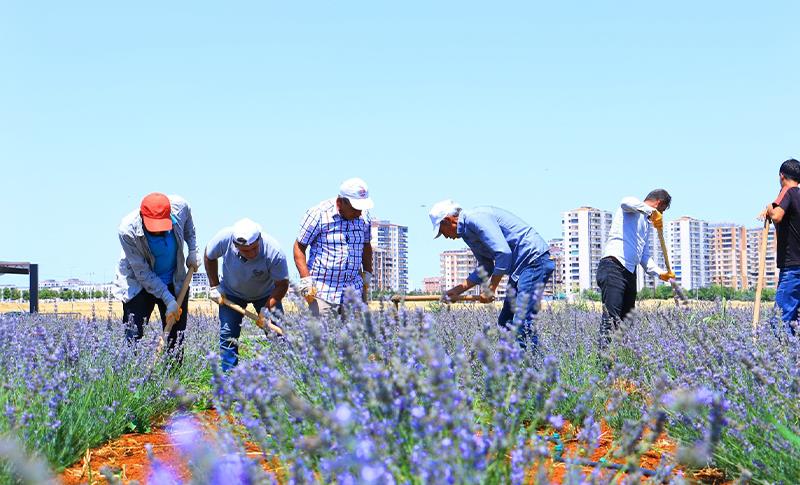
x=51 y=294
x=708 y=293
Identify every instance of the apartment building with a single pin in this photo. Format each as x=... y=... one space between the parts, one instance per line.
x=389 y=256
x=690 y=252
x=457 y=264
x=556 y=284
x=432 y=285
x=728 y=246
x=199 y=285
x=584 y=231
x=771 y=271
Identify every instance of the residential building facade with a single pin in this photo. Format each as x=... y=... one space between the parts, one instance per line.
x=389 y=257
x=555 y=286
x=584 y=232
x=728 y=247
x=432 y=285
x=690 y=252
x=457 y=264
x=771 y=271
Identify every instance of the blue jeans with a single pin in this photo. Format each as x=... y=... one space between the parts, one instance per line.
x=524 y=295
x=787 y=298
x=231 y=328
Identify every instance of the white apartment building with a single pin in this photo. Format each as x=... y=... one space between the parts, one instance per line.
x=457 y=264
x=771 y=271
x=198 y=285
x=690 y=252
x=585 y=231
x=389 y=256
x=728 y=247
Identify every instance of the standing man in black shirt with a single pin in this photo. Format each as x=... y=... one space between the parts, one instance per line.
x=785 y=213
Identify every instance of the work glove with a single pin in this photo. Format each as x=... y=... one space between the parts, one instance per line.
x=657 y=219
x=173 y=311
x=216 y=295
x=306 y=288
x=192 y=260
x=667 y=276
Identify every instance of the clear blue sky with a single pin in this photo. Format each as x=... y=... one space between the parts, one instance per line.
x=261 y=109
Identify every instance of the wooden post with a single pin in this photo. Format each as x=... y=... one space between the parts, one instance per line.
x=762 y=263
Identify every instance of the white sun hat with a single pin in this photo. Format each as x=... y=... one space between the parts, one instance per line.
x=246 y=232
x=355 y=190
x=439 y=211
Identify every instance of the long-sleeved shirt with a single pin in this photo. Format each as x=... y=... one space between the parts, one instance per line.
x=501 y=242
x=629 y=236
x=135 y=271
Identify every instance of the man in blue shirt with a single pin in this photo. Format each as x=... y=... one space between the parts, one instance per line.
x=151 y=269
x=503 y=244
x=254 y=270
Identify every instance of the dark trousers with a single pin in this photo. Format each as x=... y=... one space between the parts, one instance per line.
x=137 y=310
x=231 y=328
x=618 y=292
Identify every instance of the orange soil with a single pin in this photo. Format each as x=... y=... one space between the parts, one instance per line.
x=127 y=456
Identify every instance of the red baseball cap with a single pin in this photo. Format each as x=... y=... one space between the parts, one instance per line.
x=155 y=211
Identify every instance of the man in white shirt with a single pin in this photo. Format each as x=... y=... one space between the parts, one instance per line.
x=626 y=248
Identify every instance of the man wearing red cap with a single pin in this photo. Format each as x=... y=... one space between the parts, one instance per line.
x=151 y=268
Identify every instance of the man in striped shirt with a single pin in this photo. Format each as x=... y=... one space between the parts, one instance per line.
x=337 y=230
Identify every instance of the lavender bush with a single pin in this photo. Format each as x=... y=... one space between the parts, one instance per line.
x=71 y=384
x=434 y=396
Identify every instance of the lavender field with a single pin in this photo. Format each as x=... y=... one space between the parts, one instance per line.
x=434 y=396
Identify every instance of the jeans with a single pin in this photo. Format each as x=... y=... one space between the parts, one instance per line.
x=139 y=308
x=787 y=297
x=231 y=328
x=618 y=292
x=522 y=300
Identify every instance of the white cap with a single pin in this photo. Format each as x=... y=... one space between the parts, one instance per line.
x=355 y=190
x=246 y=232
x=439 y=211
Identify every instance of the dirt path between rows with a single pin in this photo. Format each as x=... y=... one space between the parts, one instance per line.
x=127 y=456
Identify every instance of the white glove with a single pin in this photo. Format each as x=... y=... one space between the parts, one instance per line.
x=367 y=277
x=305 y=286
x=215 y=294
x=192 y=260
x=173 y=311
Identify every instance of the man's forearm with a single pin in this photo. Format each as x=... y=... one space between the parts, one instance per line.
x=212 y=270
x=280 y=290
x=495 y=281
x=366 y=259
x=300 y=259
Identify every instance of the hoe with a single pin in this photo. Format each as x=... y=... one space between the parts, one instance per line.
x=675 y=288
x=252 y=316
